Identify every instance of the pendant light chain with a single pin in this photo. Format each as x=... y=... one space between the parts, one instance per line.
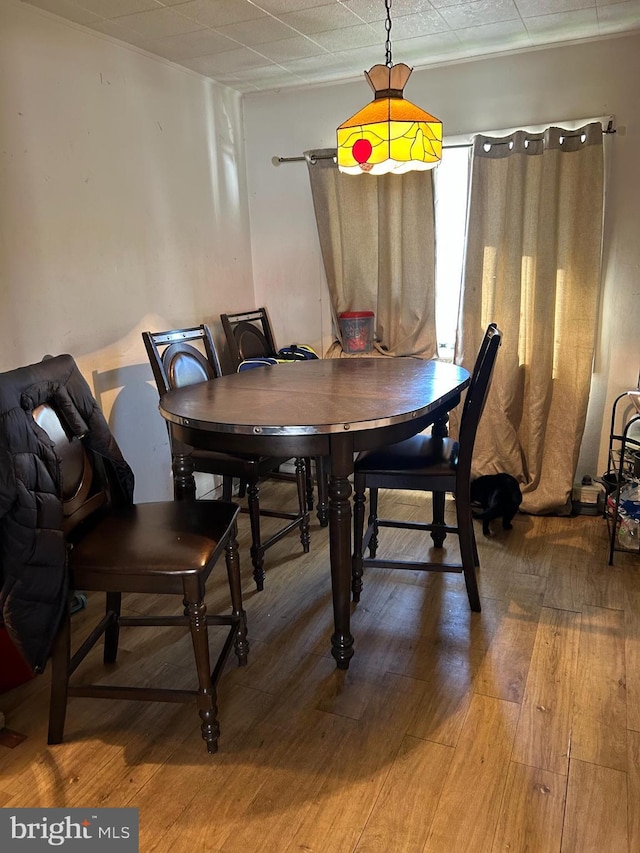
x=387 y=25
x=390 y=135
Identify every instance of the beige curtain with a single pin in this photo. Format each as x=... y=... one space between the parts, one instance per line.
x=378 y=247
x=532 y=264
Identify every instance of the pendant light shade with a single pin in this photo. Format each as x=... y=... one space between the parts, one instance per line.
x=390 y=134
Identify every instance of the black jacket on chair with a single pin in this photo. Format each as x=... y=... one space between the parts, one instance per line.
x=33 y=573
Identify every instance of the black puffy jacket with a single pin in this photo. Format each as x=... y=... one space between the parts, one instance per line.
x=33 y=567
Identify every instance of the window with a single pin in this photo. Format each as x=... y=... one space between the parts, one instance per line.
x=451 y=190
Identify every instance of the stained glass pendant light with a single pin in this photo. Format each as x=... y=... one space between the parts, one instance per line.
x=390 y=134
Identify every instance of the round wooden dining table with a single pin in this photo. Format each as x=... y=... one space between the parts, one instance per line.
x=331 y=408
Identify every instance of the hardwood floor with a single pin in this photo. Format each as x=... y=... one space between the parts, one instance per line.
x=516 y=729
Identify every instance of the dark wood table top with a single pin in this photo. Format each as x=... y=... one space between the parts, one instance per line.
x=316 y=397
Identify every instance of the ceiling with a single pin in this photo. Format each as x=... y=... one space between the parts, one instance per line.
x=259 y=45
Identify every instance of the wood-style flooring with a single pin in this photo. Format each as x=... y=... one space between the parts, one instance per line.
x=516 y=729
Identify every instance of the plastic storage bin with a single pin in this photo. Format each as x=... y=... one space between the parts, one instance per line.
x=356 y=328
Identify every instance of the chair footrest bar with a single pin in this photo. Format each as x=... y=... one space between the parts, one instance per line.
x=222 y=657
x=90 y=641
x=273 y=513
x=381 y=563
x=278 y=536
x=417 y=525
x=148 y=694
x=173 y=621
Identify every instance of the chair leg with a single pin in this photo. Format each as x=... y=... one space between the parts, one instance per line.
x=241 y=644
x=476 y=558
x=309 y=483
x=112 y=631
x=438 y=534
x=184 y=483
x=358 y=532
x=301 y=483
x=207 y=706
x=60 y=657
x=227 y=488
x=257 y=551
x=468 y=550
x=373 y=522
x=322 y=479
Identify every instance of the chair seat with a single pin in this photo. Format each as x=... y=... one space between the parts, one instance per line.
x=419 y=455
x=151 y=547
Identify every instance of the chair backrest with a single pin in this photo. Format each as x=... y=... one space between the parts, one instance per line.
x=175 y=359
x=477 y=394
x=249 y=335
x=84 y=488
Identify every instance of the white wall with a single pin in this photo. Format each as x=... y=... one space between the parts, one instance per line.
x=123 y=207
x=536 y=87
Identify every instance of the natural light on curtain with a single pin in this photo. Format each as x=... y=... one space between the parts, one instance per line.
x=377 y=239
x=532 y=265
x=451 y=189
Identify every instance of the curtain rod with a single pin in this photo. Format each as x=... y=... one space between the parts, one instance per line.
x=278 y=160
